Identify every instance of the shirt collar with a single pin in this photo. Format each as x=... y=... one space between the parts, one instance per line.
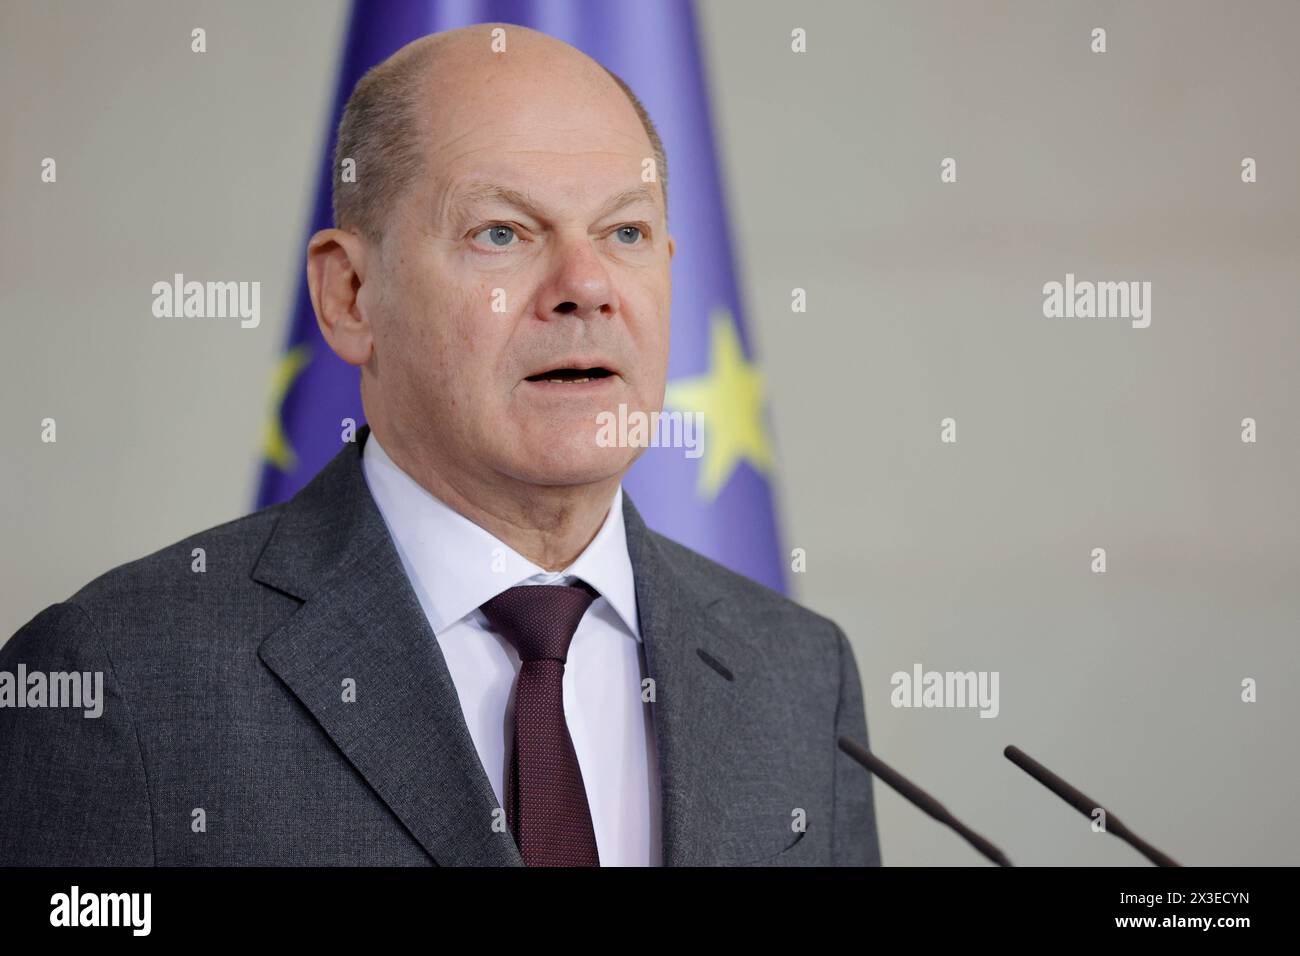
x=457 y=566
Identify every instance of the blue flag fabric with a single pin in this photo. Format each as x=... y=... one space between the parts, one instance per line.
x=720 y=502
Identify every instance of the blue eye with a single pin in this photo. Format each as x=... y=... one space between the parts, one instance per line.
x=623 y=231
x=498 y=235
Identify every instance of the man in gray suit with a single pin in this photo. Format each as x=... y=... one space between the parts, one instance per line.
x=459 y=644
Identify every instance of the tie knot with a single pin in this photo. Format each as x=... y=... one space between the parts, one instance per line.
x=539 y=619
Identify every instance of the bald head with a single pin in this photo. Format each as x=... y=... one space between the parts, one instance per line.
x=395 y=120
x=500 y=272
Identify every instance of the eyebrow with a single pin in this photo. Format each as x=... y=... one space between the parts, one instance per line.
x=490 y=192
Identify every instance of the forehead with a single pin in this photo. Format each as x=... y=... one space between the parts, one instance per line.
x=550 y=135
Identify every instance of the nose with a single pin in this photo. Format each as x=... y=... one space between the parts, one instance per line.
x=579 y=283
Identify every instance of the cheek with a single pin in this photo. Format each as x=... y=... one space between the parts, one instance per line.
x=478 y=333
x=410 y=340
x=434 y=314
x=462 y=337
x=651 y=333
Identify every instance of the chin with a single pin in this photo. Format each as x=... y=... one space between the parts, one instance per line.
x=575 y=461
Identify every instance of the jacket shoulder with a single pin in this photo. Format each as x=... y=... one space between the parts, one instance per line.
x=226 y=553
x=731 y=594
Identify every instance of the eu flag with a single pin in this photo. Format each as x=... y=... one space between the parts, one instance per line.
x=719 y=503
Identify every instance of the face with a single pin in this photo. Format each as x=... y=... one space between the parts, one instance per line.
x=523 y=283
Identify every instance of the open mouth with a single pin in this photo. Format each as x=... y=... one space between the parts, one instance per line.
x=571 y=376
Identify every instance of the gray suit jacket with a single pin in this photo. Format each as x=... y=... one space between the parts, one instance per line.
x=223 y=694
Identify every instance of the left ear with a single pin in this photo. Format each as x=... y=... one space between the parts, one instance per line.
x=336 y=266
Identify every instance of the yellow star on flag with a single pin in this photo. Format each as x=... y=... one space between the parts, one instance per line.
x=275 y=446
x=730 y=396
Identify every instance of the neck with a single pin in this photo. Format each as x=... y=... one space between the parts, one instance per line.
x=549 y=525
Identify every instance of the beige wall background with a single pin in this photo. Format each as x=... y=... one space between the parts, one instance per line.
x=924 y=300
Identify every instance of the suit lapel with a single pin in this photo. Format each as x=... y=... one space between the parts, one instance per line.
x=405 y=732
x=699 y=714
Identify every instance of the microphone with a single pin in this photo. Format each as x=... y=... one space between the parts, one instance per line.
x=1084 y=805
x=921 y=799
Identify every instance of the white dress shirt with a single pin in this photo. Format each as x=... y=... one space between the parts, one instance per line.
x=454 y=567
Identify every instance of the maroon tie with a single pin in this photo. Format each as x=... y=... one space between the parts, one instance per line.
x=546 y=803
